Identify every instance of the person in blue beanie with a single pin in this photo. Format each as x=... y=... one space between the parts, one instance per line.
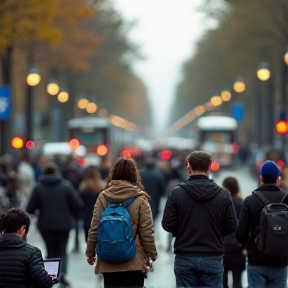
x=262 y=270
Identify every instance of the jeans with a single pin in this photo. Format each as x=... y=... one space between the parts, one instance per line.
x=262 y=276
x=193 y=271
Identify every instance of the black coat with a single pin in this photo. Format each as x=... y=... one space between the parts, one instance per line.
x=21 y=264
x=250 y=219
x=234 y=258
x=89 y=199
x=154 y=184
x=199 y=213
x=57 y=202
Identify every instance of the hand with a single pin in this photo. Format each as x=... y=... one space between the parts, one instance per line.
x=148 y=266
x=53 y=277
x=91 y=260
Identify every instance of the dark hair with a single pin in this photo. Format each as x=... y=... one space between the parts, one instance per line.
x=268 y=179
x=231 y=184
x=125 y=169
x=199 y=161
x=50 y=167
x=13 y=219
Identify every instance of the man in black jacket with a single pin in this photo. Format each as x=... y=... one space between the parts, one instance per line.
x=21 y=264
x=262 y=271
x=56 y=202
x=199 y=213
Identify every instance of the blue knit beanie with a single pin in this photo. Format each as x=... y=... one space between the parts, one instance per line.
x=270 y=168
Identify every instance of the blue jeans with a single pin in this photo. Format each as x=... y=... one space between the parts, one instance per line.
x=193 y=271
x=262 y=276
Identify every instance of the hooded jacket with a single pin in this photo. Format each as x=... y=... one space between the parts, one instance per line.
x=21 y=264
x=57 y=201
x=142 y=227
x=199 y=213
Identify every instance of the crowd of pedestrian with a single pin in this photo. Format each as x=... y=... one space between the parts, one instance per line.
x=215 y=230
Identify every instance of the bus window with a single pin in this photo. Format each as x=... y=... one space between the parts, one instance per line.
x=91 y=137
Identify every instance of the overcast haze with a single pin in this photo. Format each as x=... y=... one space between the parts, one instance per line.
x=167 y=31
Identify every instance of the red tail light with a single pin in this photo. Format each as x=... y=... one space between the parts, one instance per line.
x=127 y=153
x=280 y=164
x=102 y=150
x=215 y=166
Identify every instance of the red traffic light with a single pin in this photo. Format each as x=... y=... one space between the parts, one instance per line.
x=74 y=144
x=17 y=142
x=281 y=127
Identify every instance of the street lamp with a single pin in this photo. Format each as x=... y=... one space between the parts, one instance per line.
x=263 y=71
x=264 y=74
x=33 y=79
x=239 y=84
x=226 y=95
x=91 y=108
x=63 y=95
x=216 y=100
x=33 y=76
x=82 y=103
x=53 y=87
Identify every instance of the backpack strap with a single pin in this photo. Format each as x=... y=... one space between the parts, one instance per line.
x=128 y=202
x=262 y=198
x=284 y=197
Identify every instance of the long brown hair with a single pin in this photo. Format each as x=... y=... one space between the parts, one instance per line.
x=92 y=181
x=125 y=169
x=231 y=184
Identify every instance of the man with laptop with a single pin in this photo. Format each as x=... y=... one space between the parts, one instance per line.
x=21 y=264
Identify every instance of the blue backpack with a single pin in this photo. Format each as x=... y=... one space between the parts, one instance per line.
x=115 y=236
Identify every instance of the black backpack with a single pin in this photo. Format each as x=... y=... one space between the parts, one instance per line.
x=272 y=233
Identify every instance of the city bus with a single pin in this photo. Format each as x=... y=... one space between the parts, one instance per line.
x=217 y=136
x=100 y=136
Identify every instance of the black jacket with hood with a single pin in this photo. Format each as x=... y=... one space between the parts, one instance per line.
x=57 y=202
x=199 y=213
x=21 y=264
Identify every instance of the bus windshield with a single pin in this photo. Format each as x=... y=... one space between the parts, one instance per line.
x=91 y=137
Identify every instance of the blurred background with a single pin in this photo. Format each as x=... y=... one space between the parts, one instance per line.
x=89 y=81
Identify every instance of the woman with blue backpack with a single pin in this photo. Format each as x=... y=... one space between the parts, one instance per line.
x=121 y=237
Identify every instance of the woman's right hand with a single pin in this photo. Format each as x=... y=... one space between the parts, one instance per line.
x=91 y=260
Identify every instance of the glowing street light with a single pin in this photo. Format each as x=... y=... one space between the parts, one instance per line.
x=33 y=78
x=82 y=103
x=63 y=95
x=239 y=84
x=91 y=108
x=216 y=101
x=263 y=71
x=226 y=95
x=53 y=87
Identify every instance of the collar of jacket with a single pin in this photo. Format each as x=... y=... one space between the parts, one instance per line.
x=195 y=177
x=120 y=191
x=11 y=240
x=268 y=187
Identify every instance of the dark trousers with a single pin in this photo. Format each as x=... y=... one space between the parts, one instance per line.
x=56 y=243
x=236 y=275
x=132 y=279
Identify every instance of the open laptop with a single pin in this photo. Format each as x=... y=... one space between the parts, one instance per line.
x=52 y=266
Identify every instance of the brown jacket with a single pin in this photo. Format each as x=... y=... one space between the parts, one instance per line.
x=140 y=213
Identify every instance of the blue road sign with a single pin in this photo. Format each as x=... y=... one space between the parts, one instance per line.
x=237 y=111
x=5 y=102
